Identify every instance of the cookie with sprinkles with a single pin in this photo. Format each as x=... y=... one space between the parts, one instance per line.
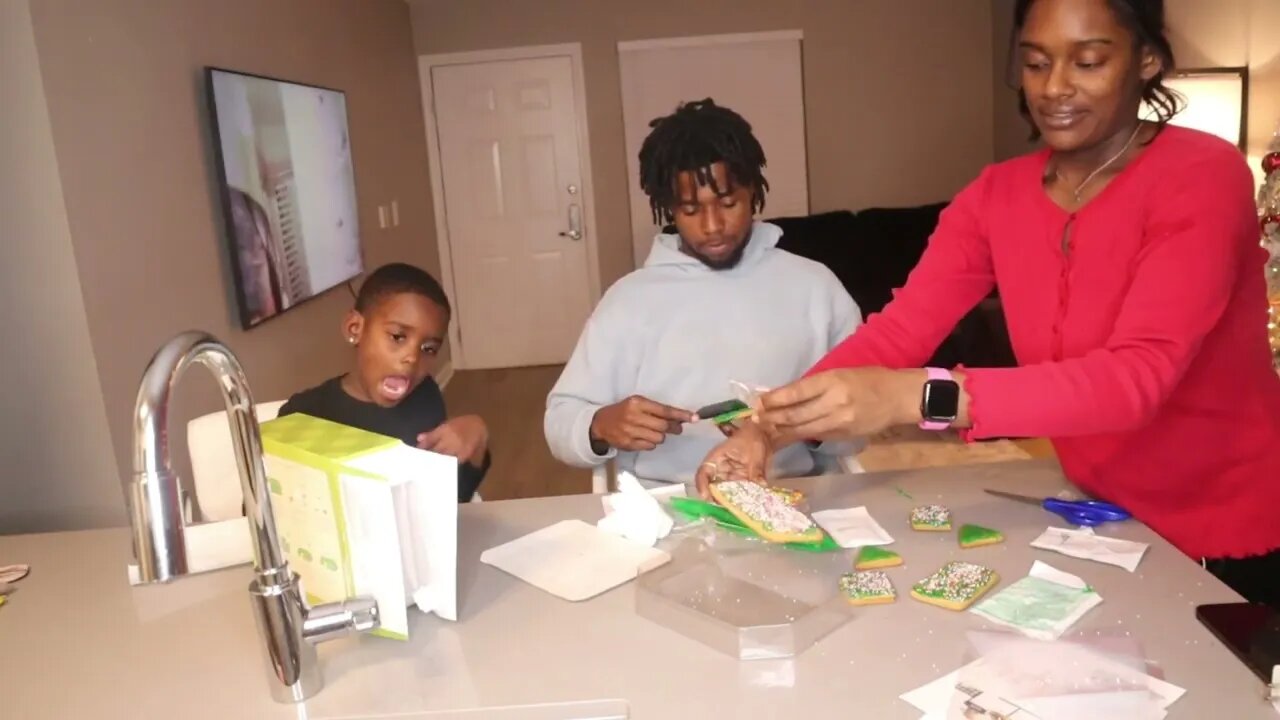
x=870 y=557
x=977 y=536
x=765 y=512
x=956 y=585
x=789 y=496
x=931 y=518
x=867 y=588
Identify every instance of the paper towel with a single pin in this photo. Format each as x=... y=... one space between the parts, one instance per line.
x=633 y=513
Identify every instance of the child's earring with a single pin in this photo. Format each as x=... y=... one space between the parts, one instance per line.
x=351 y=339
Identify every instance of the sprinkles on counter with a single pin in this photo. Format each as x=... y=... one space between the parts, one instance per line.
x=765 y=512
x=931 y=518
x=956 y=585
x=867 y=588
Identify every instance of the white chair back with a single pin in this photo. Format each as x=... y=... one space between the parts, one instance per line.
x=213 y=462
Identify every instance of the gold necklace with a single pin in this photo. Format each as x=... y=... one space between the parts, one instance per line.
x=1080 y=188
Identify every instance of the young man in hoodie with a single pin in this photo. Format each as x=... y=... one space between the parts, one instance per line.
x=714 y=303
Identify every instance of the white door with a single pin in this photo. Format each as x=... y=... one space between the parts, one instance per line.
x=513 y=208
x=758 y=75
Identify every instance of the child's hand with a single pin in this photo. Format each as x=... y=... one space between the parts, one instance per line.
x=465 y=437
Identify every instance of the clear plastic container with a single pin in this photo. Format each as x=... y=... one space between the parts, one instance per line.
x=742 y=596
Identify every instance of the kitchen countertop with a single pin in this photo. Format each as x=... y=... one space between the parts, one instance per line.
x=77 y=641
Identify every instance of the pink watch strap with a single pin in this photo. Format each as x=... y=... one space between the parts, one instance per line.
x=934 y=373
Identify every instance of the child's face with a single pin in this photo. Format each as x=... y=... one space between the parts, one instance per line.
x=397 y=343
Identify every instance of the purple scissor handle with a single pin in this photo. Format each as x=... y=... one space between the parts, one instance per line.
x=1085 y=513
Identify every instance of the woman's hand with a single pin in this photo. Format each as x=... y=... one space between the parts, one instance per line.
x=744 y=456
x=842 y=404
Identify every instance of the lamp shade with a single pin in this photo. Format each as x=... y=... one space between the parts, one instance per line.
x=1216 y=102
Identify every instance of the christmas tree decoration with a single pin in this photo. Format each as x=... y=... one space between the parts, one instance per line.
x=1269 y=224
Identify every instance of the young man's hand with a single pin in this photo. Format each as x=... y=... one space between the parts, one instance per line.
x=465 y=437
x=636 y=423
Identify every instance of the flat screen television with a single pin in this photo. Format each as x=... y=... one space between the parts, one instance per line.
x=283 y=155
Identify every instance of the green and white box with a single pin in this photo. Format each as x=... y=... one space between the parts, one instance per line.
x=364 y=514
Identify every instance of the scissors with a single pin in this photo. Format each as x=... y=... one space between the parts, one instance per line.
x=1086 y=513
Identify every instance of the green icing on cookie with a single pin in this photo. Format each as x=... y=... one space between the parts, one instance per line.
x=873 y=554
x=956 y=581
x=971 y=534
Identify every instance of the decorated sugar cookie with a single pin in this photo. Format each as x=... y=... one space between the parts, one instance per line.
x=956 y=585
x=976 y=536
x=871 y=557
x=867 y=588
x=765 y=512
x=931 y=518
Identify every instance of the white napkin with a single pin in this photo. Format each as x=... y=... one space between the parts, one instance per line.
x=213 y=546
x=1042 y=605
x=634 y=514
x=852 y=527
x=573 y=560
x=1083 y=543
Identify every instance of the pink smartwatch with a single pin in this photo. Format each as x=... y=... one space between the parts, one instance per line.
x=939 y=400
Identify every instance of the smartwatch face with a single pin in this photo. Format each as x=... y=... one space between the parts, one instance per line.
x=941 y=400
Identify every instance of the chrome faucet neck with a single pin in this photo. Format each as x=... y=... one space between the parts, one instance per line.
x=161 y=558
x=287 y=625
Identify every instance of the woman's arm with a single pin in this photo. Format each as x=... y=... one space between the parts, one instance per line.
x=1198 y=238
x=1199 y=235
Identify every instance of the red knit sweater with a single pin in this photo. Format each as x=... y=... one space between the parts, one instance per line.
x=1141 y=344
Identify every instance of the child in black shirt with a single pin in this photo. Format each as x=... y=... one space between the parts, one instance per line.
x=397 y=327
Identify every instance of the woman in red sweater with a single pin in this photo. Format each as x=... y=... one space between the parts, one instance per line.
x=1127 y=258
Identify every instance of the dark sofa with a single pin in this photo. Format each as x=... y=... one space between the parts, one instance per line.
x=873 y=251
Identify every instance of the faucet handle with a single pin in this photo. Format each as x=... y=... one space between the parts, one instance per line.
x=331 y=620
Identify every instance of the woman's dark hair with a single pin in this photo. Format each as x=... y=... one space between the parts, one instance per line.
x=1144 y=19
x=692 y=139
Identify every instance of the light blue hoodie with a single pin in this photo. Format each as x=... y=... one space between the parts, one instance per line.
x=677 y=332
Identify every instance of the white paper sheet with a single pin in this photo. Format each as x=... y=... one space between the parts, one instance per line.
x=574 y=560
x=1138 y=695
x=852 y=527
x=1083 y=543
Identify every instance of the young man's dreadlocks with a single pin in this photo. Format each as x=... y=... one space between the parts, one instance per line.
x=692 y=139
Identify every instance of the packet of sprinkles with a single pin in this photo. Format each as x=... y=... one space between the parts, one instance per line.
x=934 y=518
x=956 y=585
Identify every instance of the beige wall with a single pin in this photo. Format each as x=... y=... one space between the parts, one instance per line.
x=126 y=98
x=59 y=469
x=1010 y=132
x=897 y=93
x=1204 y=33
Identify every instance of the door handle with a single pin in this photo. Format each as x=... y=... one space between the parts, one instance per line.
x=575 y=223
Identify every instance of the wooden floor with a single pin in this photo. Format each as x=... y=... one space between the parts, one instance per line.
x=512 y=402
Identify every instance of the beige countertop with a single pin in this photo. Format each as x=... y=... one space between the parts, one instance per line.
x=77 y=641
